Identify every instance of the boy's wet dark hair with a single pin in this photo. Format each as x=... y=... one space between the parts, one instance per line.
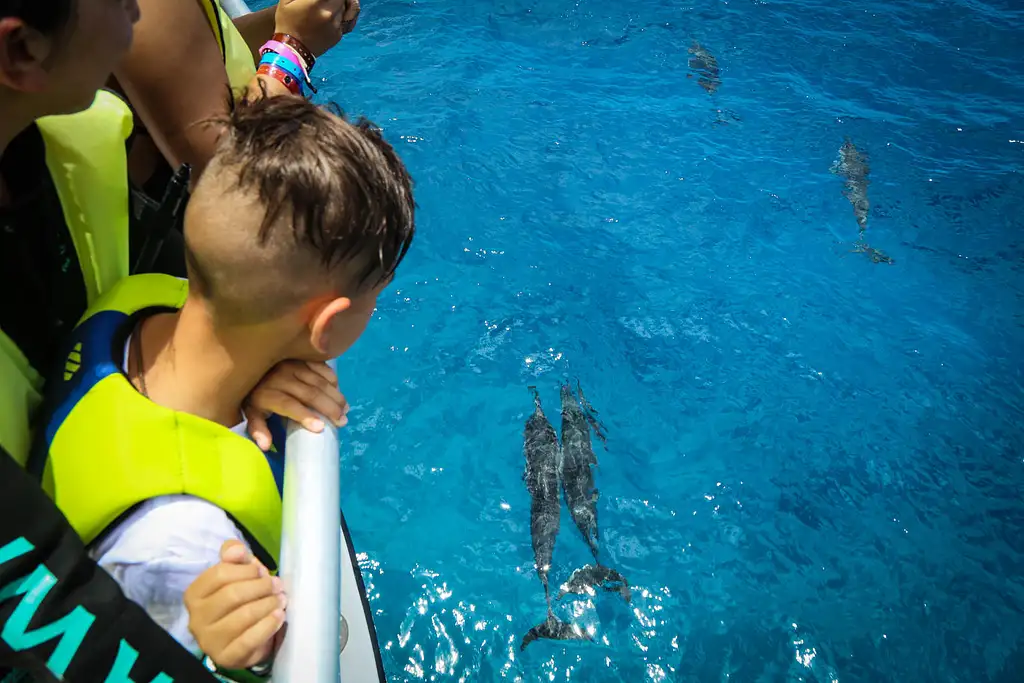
x=344 y=186
x=46 y=16
x=327 y=200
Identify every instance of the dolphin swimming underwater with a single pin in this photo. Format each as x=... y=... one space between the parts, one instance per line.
x=853 y=166
x=706 y=66
x=540 y=448
x=581 y=497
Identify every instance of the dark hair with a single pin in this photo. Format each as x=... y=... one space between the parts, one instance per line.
x=349 y=195
x=46 y=16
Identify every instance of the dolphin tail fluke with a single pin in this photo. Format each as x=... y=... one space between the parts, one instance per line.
x=535 y=394
x=590 y=577
x=554 y=628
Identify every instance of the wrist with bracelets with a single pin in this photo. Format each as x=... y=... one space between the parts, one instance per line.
x=259 y=673
x=285 y=59
x=297 y=45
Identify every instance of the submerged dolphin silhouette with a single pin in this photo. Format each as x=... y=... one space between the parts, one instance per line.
x=853 y=166
x=581 y=498
x=540 y=448
x=706 y=66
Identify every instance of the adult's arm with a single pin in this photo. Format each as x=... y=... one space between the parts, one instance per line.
x=256 y=28
x=61 y=616
x=174 y=73
x=175 y=79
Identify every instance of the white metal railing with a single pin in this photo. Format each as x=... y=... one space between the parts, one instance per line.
x=311 y=557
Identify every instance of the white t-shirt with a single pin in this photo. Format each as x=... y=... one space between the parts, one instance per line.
x=159 y=549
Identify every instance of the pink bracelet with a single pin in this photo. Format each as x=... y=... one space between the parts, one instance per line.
x=287 y=52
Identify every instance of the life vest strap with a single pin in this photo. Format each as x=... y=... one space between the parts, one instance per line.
x=214 y=16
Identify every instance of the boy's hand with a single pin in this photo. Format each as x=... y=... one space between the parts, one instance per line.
x=299 y=391
x=235 y=608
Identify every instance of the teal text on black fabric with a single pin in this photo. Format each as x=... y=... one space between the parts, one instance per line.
x=71 y=629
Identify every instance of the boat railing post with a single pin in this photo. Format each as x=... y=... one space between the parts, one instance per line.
x=234 y=8
x=311 y=557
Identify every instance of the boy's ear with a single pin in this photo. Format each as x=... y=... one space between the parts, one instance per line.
x=23 y=55
x=324 y=322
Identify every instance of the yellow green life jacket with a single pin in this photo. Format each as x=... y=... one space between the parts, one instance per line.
x=85 y=154
x=104 y=448
x=238 y=59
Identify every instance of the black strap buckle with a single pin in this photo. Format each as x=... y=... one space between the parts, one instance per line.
x=167 y=217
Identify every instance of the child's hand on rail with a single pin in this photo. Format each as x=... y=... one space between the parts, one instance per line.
x=299 y=391
x=236 y=609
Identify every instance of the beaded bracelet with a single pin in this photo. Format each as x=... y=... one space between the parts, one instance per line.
x=289 y=81
x=297 y=45
x=258 y=671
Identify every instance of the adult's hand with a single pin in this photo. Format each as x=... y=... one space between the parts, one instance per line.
x=319 y=24
x=351 y=16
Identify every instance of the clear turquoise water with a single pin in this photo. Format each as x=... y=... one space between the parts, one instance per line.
x=814 y=462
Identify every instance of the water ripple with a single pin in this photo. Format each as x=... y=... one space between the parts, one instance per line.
x=813 y=463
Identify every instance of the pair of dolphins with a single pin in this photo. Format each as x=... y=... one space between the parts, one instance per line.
x=548 y=468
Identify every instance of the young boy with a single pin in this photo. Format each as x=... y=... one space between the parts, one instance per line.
x=295 y=227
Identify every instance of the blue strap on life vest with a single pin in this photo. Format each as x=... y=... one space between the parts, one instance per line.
x=275 y=456
x=88 y=359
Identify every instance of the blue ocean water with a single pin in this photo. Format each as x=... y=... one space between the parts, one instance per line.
x=814 y=462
